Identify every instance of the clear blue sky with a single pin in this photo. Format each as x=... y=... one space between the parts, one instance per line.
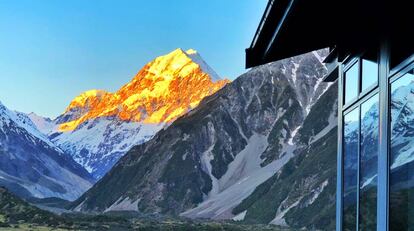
x=50 y=51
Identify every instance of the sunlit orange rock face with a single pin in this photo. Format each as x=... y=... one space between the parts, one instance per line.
x=163 y=90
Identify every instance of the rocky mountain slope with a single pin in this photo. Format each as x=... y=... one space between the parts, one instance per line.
x=211 y=162
x=32 y=166
x=98 y=127
x=302 y=193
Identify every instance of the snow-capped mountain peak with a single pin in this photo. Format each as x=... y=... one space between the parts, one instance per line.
x=163 y=90
x=43 y=124
x=98 y=127
x=24 y=122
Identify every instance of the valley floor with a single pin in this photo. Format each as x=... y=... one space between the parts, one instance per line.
x=17 y=214
x=147 y=225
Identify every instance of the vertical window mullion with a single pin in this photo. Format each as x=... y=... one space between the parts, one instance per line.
x=382 y=200
x=340 y=181
x=359 y=77
x=359 y=142
x=358 y=164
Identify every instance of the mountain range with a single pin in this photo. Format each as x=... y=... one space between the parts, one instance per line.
x=178 y=140
x=261 y=149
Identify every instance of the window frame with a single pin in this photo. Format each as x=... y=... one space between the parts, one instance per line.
x=372 y=87
x=361 y=93
x=401 y=71
x=386 y=76
x=356 y=105
x=346 y=68
x=343 y=109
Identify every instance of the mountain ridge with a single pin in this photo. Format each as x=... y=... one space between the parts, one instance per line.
x=32 y=166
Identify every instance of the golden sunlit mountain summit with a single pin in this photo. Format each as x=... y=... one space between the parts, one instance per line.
x=164 y=89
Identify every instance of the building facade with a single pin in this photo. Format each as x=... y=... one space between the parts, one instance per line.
x=372 y=58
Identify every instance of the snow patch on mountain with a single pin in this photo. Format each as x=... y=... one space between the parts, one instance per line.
x=317 y=192
x=293 y=135
x=206 y=159
x=294 y=73
x=279 y=220
x=240 y=216
x=124 y=204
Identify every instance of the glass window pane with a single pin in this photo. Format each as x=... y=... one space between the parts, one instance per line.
x=350 y=175
x=351 y=83
x=369 y=73
x=402 y=154
x=369 y=164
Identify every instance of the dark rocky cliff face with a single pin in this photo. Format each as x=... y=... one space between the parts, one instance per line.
x=234 y=151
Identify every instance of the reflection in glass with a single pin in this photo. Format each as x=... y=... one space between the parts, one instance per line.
x=369 y=164
x=369 y=73
x=350 y=175
x=402 y=154
x=351 y=83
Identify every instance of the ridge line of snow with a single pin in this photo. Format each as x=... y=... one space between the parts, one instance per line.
x=320 y=59
x=196 y=57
